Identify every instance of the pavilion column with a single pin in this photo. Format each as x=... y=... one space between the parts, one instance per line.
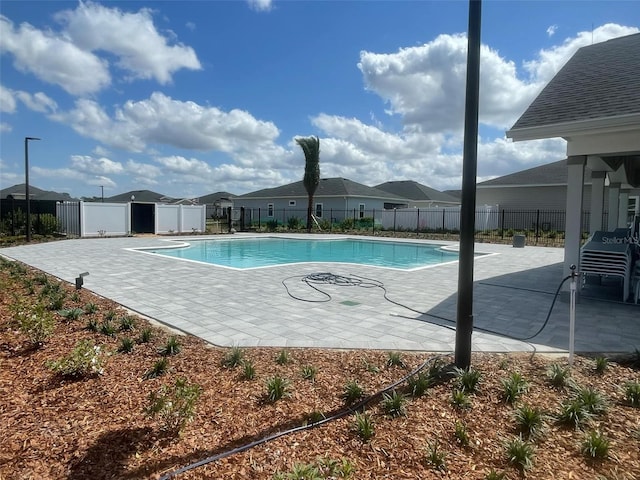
x=597 y=201
x=573 y=228
x=614 y=206
x=623 y=208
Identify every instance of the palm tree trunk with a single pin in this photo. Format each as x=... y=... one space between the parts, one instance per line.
x=309 y=213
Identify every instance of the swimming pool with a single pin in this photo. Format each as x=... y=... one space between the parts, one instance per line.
x=269 y=251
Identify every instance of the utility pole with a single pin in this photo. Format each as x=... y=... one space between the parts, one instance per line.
x=26 y=183
x=464 y=321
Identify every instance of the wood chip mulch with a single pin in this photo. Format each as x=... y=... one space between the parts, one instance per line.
x=95 y=426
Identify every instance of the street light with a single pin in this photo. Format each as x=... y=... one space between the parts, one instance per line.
x=102 y=194
x=26 y=183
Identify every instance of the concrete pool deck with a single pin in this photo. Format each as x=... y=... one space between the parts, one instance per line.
x=513 y=292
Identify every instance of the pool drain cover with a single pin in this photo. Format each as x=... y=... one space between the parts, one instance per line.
x=350 y=303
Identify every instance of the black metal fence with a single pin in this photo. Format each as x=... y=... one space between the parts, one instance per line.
x=13 y=217
x=539 y=226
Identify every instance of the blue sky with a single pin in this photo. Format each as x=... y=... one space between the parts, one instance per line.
x=193 y=97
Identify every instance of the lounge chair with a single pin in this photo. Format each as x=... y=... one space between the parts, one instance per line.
x=608 y=254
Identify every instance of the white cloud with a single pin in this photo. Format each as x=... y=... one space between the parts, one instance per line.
x=546 y=65
x=552 y=30
x=38 y=102
x=132 y=37
x=53 y=58
x=164 y=121
x=260 y=5
x=96 y=166
x=7 y=100
x=5 y=127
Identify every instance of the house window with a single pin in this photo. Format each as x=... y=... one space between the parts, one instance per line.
x=270 y=210
x=361 y=208
x=318 y=210
x=292 y=203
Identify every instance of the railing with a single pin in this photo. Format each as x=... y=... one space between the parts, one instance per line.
x=540 y=227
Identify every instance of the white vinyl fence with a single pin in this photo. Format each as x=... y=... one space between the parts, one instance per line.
x=96 y=219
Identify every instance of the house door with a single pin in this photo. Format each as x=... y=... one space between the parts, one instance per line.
x=143 y=218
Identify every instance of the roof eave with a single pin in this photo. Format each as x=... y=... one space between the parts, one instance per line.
x=589 y=126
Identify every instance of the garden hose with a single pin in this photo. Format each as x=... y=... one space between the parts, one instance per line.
x=340 y=414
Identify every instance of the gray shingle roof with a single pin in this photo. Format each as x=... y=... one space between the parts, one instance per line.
x=550 y=174
x=599 y=81
x=415 y=191
x=214 y=197
x=35 y=193
x=328 y=187
x=140 y=196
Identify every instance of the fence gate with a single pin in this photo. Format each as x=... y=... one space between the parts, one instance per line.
x=68 y=215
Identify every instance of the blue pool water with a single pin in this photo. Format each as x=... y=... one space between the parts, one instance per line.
x=269 y=251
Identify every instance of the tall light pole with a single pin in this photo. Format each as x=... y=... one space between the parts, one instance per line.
x=102 y=192
x=26 y=183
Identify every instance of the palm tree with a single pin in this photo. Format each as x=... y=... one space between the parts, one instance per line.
x=311 y=148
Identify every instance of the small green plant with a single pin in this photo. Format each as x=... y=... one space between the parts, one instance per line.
x=248 y=370
x=107 y=328
x=315 y=417
x=174 y=407
x=467 y=379
x=460 y=399
x=85 y=359
x=145 y=335
x=283 y=357
x=601 y=364
x=233 y=357
x=92 y=325
x=419 y=383
x=395 y=360
x=90 y=308
x=364 y=426
x=172 y=347
x=71 y=314
x=277 y=388
x=529 y=420
x=127 y=323
x=309 y=372
x=37 y=325
x=461 y=434
x=558 y=375
x=75 y=297
x=126 y=345
x=494 y=475
x=394 y=404
x=520 y=453
x=436 y=457
x=593 y=401
x=595 y=446
x=573 y=412
x=159 y=368
x=632 y=393
x=370 y=366
x=351 y=392
x=513 y=387
x=110 y=316
x=55 y=300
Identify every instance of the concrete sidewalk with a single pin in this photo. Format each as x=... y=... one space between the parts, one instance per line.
x=513 y=293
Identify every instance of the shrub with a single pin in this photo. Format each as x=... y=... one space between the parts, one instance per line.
x=436 y=457
x=107 y=328
x=460 y=399
x=159 y=368
x=85 y=359
x=558 y=375
x=530 y=421
x=37 y=325
x=71 y=314
x=520 y=453
x=467 y=379
x=513 y=387
x=352 y=392
x=233 y=357
x=145 y=335
x=309 y=372
x=174 y=407
x=283 y=357
x=126 y=345
x=601 y=364
x=394 y=404
x=573 y=412
x=364 y=426
x=248 y=370
x=419 y=383
x=294 y=223
x=277 y=388
x=593 y=401
x=595 y=446
x=632 y=393
x=127 y=323
x=395 y=360
x=92 y=325
x=493 y=475
x=461 y=434
x=90 y=308
x=172 y=347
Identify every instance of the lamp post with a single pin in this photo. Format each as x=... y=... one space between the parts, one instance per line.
x=26 y=183
x=102 y=193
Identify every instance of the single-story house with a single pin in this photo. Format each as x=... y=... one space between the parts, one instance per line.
x=593 y=102
x=335 y=198
x=418 y=195
x=217 y=203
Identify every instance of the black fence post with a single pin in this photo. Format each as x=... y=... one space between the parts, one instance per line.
x=373 y=222
x=394 y=220
x=417 y=222
x=443 y=219
x=537 y=225
x=502 y=225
